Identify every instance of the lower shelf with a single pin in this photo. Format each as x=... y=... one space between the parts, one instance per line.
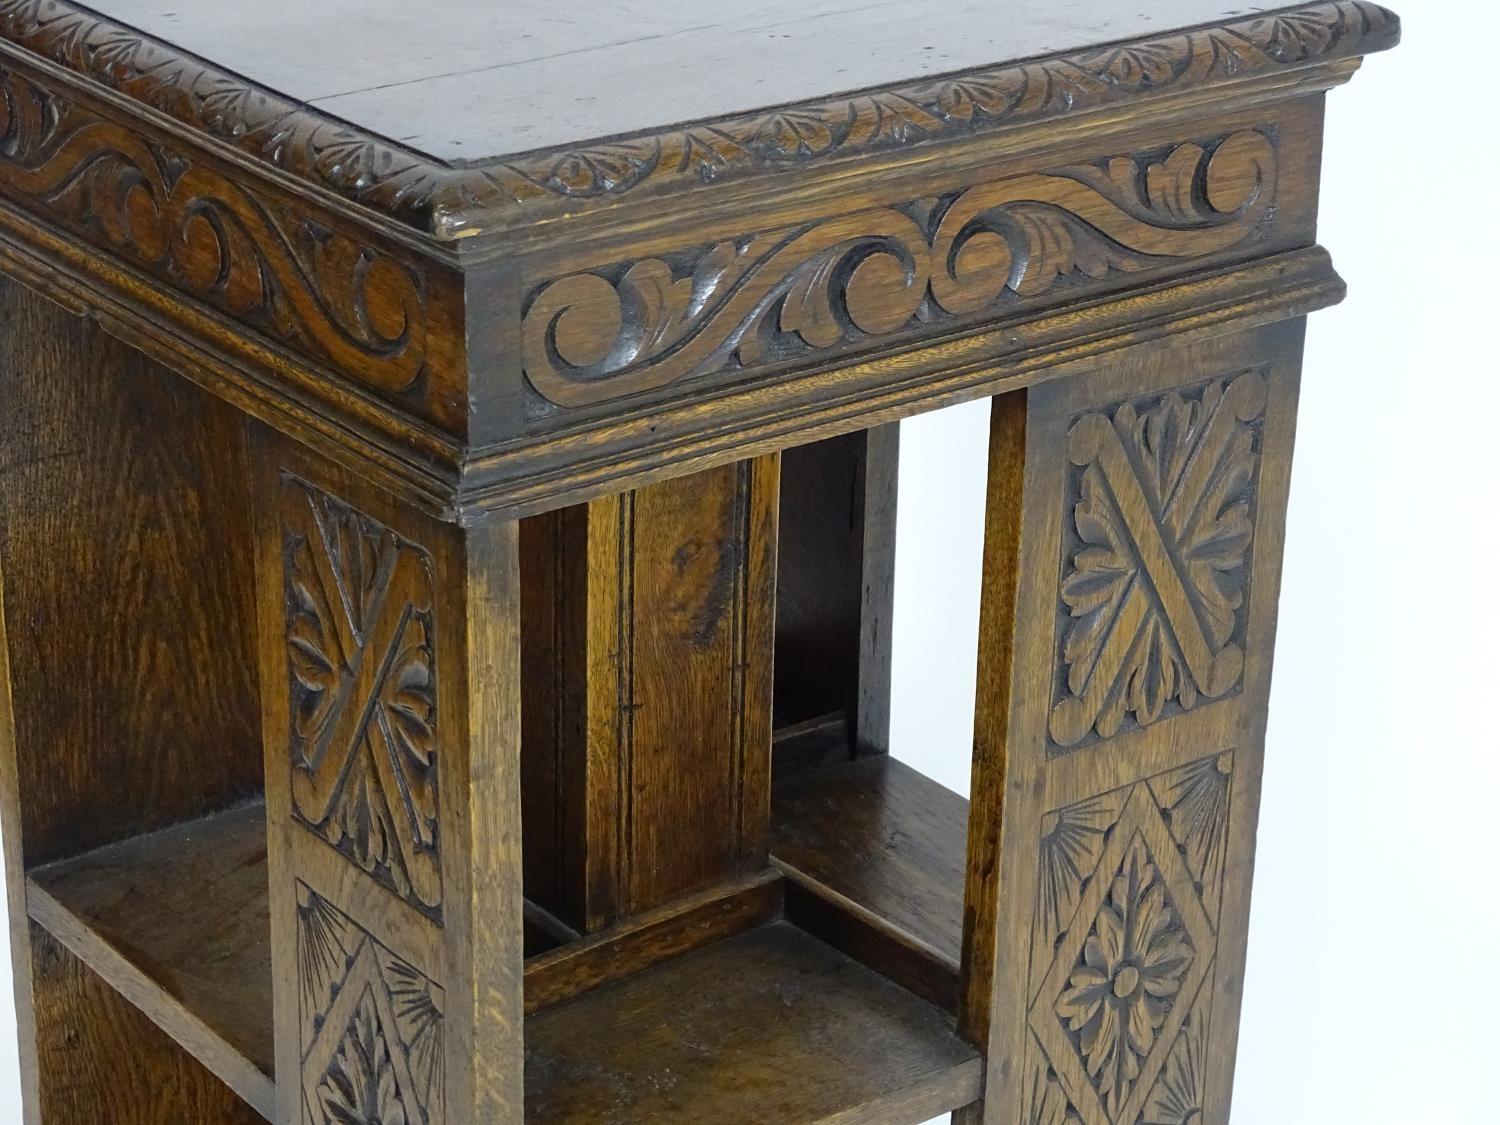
x=875 y=854
x=771 y=1025
x=179 y=922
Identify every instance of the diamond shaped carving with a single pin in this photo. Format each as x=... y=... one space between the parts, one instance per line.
x=363 y=682
x=1126 y=969
x=372 y=1026
x=1156 y=568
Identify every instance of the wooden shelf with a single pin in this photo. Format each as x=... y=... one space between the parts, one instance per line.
x=875 y=855
x=789 y=1024
x=179 y=923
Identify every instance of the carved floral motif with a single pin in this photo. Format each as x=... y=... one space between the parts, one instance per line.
x=1124 y=936
x=372 y=1026
x=1133 y=965
x=153 y=206
x=451 y=201
x=595 y=336
x=1162 y=520
x=364 y=743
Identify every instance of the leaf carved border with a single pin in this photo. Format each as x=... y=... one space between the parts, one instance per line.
x=639 y=326
x=449 y=202
x=273 y=268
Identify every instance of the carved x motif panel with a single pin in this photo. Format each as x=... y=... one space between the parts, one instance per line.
x=1155 y=570
x=363 y=681
x=1124 y=940
x=372 y=1026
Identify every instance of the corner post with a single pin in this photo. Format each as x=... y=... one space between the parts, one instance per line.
x=390 y=656
x=1132 y=566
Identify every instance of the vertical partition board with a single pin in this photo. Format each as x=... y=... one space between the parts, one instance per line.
x=649 y=618
x=129 y=584
x=1130 y=606
x=836 y=570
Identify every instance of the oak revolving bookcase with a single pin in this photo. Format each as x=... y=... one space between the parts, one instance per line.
x=447 y=504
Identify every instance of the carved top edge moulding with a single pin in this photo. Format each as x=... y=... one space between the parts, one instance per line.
x=448 y=198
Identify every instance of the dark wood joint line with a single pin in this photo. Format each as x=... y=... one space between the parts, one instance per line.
x=873 y=941
x=652 y=937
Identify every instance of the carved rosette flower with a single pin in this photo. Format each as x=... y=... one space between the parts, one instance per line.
x=1134 y=963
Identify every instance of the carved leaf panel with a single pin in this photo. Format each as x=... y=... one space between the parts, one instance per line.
x=363 y=680
x=1160 y=519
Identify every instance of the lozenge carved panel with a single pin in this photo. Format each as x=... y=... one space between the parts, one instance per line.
x=371 y=1026
x=1160 y=518
x=1124 y=939
x=363 y=679
x=806 y=290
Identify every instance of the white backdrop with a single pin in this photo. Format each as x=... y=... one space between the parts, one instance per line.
x=1373 y=966
x=1368 y=998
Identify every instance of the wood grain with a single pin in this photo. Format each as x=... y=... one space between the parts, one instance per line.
x=649 y=759
x=179 y=923
x=651 y=937
x=835 y=582
x=881 y=835
x=770 y=1025
x=102 y=1060
x=127 y=552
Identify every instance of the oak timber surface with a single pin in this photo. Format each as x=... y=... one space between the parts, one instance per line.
x=464 y=80
x=884 y=836
x=189 y=907
x=772 y=1025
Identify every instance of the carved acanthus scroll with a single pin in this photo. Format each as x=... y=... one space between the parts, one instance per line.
x=160 y=209
x=595 y=336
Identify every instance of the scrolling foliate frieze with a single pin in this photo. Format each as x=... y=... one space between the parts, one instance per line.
x=964 y=104
x=642 y=325
x=158 y=208
x=454 y=201
x=1124 y=937
x=371 y=1026
x=363 y=679
x=224 y=105
x=1160 y=517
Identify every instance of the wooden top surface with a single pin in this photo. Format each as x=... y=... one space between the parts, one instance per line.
x=459 y=116
x=472 y=80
